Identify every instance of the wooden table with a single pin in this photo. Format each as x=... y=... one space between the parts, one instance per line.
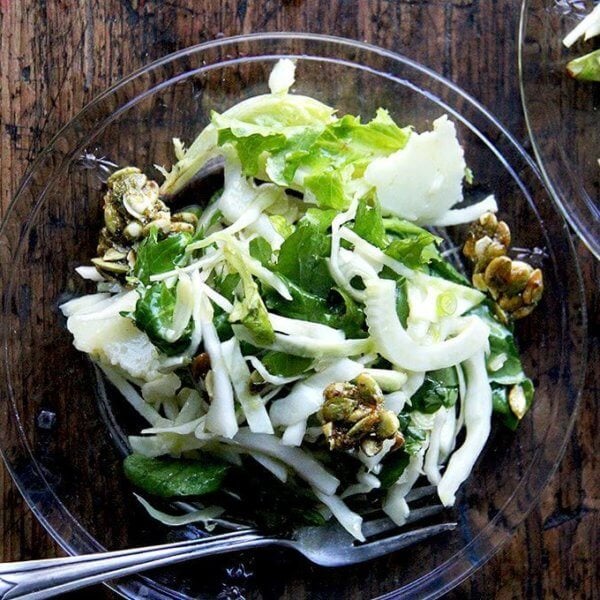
x=56 y=55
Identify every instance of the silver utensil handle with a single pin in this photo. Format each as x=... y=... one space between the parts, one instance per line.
x=39 y=579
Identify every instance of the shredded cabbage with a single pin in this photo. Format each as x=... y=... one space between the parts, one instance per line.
x=478 y=413
x=306 y=396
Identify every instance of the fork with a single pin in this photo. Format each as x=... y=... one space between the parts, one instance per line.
x=328 y=546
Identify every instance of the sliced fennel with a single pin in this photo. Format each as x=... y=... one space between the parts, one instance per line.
x=393 y=342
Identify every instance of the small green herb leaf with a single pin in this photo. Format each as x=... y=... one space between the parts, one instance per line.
x=154 y=256
x=175 y=477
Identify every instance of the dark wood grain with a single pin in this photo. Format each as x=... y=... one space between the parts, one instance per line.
x=56 y=55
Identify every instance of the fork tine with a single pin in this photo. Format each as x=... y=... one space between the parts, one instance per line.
x=420 y=492
x=402 y=540
x=412 y=496
x=377 y=526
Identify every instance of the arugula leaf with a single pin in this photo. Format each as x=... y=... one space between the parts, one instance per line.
x=175 y=477
x=227 y=285
x=274 y=506
x=368 y=223
x=436 y=391
x=402 y=306
x=411 y=244
x=154 y=315
x=403 y=228
x=338 y=310
x=155 y=256
x=503 y=349
x=285 y=365
x=303 y=258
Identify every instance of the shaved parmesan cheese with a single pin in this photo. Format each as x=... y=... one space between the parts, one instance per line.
x=423 y=180
x=114 y=340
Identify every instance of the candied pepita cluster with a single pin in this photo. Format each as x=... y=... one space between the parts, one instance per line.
x=353 y=417
x=132 y=206
x=514 y=284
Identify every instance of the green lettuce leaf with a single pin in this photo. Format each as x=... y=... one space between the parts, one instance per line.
x=327 y=188
x=318 y=157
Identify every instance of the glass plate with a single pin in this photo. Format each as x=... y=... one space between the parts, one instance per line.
x=61 y=440
x=562 y=115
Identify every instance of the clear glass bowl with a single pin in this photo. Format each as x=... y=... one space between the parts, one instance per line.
x=63 y=447
x=562 y=115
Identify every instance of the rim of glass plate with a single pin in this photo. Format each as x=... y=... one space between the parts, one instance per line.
x=576 y=214
x=417 y=586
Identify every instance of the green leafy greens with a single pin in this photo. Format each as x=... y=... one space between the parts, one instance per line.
x=176 y=477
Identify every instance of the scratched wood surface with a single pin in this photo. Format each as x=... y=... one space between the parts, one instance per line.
x=56 y=55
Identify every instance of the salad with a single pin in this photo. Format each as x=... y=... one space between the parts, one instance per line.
x=586 y=67
x=300 y=347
